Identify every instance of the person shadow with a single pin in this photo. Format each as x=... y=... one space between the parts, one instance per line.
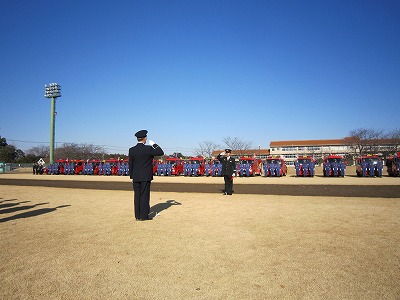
x=22 y=207
x=32 y=213
x=6 y=200
x=159 y=207
x=11 y=204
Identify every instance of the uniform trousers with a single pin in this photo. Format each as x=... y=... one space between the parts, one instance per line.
x=142 y=199
x=228 y=184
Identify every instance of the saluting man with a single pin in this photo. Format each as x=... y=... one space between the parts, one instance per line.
x=228 y=170
x=141 y=172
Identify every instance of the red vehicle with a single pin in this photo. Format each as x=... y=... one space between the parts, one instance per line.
x=175 y=164
x=334 y=166
x=305 y=166
x=214 y=168
x=249 y=166
x=393 y=165
x=195 y=166
x=75 y=166
x=155 y=166
x=90 y=167
x=113 y=162
x=369 y=165
x=275 y=166
x=56 y=168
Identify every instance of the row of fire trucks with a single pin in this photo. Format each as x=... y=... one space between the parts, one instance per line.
x=334 y=166
x=272 y=166
x=88 y=167
x=195 y=166
x=199 y=166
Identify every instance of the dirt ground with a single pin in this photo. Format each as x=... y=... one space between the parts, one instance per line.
x=78 y=243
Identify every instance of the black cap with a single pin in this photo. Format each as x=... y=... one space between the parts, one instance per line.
x=141 y=134
x=228 y=150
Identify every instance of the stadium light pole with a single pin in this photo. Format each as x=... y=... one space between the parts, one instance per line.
x=52 y=91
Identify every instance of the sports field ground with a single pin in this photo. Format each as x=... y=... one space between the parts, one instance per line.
x=66 y=241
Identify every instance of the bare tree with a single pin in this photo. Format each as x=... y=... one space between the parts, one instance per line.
x=39 y=151
x=364 y=140
x=393 y=138
x=206 y=148
x=237 y=144
x=83 y=151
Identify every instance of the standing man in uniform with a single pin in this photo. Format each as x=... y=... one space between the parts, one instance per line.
x=228 y=170
x=141 y=172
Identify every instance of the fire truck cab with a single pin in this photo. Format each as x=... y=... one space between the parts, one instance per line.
x=305 y=166
x=274 y=166
x=249 y=166
x=393 y=165
x=70 y=167
x=369 y=165
x=195 y=166
x=171 y=166
x=156 y=162
x=57 y=167
x=216 y=168
x=334 y=166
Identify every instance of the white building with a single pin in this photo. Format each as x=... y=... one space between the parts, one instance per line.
x=290 y=150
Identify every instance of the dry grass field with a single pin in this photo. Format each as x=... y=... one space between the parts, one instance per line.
x=60 y=243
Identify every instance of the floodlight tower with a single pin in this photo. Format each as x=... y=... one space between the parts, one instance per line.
x=52 y=91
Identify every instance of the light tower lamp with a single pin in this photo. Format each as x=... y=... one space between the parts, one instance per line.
x=52 y=91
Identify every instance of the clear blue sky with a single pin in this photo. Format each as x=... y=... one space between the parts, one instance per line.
x=191 y=71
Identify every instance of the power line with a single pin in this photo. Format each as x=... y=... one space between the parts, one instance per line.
x=108 y=147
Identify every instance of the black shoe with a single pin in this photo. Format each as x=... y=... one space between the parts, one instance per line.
x=148 y=219
x=230 y=194
x=225 y=193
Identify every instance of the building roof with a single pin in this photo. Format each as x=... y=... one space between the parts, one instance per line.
x=296 y=143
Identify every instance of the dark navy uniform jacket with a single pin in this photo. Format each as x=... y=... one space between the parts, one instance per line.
x=228 y=165
x=141 y=161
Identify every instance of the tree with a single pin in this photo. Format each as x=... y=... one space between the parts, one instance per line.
x=82 y=151
x=39 y=151
x=8 y=153
x=3 y=142
x=364 y=140
x=206 y=148
x=29 y=158
x=237 y=144
x=394 y=139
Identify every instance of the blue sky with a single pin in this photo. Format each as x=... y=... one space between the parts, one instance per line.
x=191 y=71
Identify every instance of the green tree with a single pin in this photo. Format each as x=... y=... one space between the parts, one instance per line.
x=8 y=153
x=3 y=142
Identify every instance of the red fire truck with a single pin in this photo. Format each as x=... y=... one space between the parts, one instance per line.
x=195 y=166
x=155 y=166
x=393 y=165
x=334 y=166
x=305 y=166
x=369 y=165
x=275 y=166
x=176 y=165
x=249 y=166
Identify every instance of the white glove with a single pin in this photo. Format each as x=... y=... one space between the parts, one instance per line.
x=151 y=143
x=233 y=175
x=222 y=153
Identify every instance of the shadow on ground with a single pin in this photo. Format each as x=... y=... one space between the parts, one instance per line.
x=159 y=207
x=12 y=207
